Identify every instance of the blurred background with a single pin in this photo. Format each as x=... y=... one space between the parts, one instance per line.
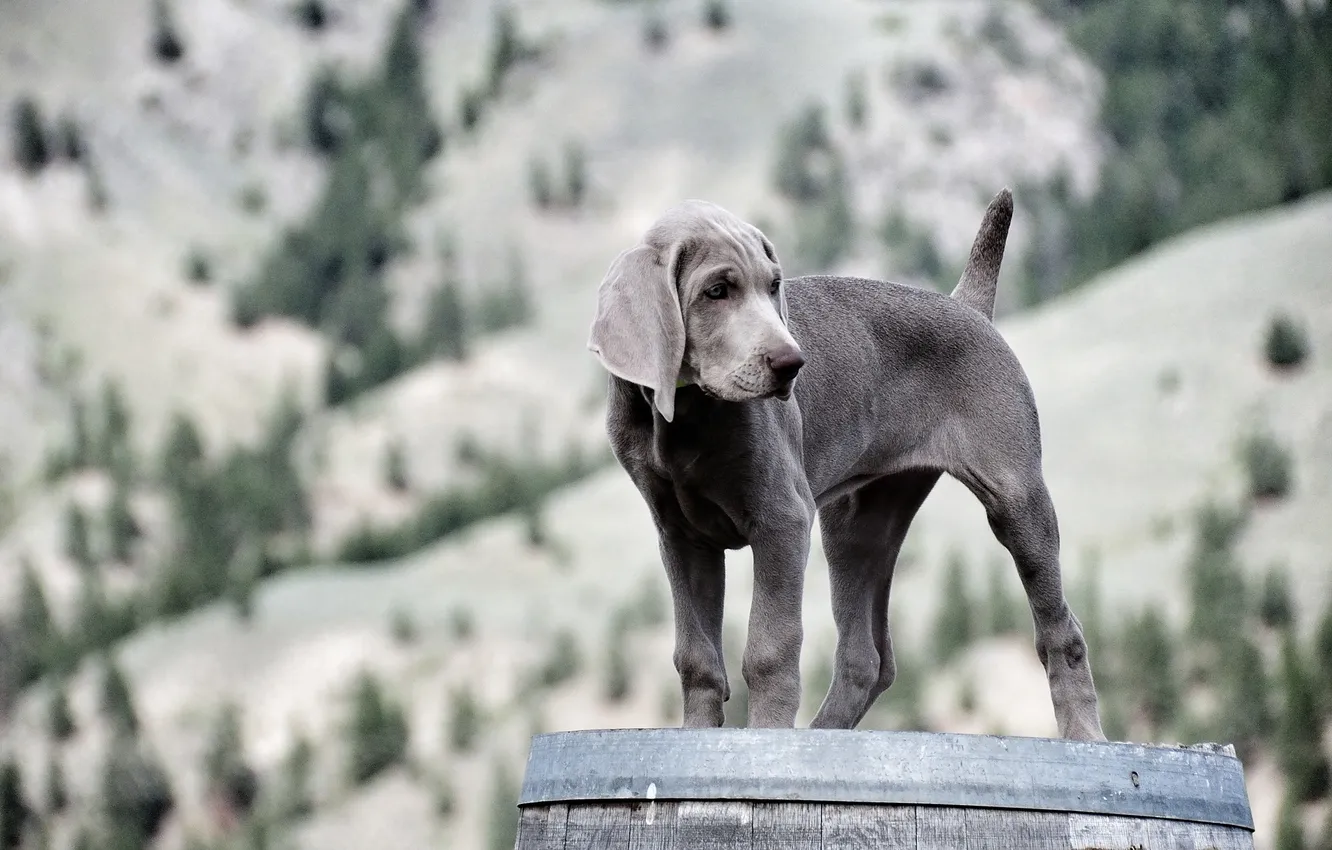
x=307 y=516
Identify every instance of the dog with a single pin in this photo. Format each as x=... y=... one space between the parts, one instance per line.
x=741 y=403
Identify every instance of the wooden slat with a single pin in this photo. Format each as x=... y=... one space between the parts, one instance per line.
x=940 y=828
x=652 y=826
x=857 y=826
x=542 y=827
x=598 y=827
x=998 y=829
x=788 y=826
x=1110 y=832
x=714 y=825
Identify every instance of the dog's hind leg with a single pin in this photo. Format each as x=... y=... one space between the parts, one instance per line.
x=862 y=536
x=1022 y=516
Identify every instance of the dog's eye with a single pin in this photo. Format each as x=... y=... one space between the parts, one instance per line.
x=716 y=293
x=776 y=285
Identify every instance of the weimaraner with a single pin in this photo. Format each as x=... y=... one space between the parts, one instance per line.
x=703 y=339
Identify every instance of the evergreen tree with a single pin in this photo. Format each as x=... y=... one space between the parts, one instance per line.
x=166 y=43
x=80 y=437
x=955 y=619
x=1287 y=343
x=31 y=151
x=1275 y=606
x=1290 y=831
x=502 y=830
x=445 y=332
x=78 y=544
x=121 y=527
x=506 y=48
x=117 y=704
x=619 y=677
x=182 y=462
x=1299 y=741
x=464 y=719
x=1246 y=718
x=14 y=812
x=297 y=801
x=60 y=720
x=575 y=174
x=1323 y=652
x=113 y=446
x=1151 y=648
x=377 y=731
x=1217 y=592
x=395 y=467
x=136 y=794
x=228 y=774
x=1005 y=609
x=57 y=791
x=39 y=645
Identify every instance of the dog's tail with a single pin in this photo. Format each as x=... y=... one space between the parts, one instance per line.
x=981 y=276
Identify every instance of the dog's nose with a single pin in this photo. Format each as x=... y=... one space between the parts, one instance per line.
x=786 y=363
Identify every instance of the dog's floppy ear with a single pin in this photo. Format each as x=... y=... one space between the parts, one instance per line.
x=638 y=333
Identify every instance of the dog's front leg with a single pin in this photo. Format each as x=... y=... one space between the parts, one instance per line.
x=771 y=665
x=697 y=575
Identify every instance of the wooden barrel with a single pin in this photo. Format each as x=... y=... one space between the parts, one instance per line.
x=697 y=789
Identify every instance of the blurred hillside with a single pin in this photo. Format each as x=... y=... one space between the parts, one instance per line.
x=307 y=518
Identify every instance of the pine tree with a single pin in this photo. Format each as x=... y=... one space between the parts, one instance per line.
x=395 y=467
x=1290 y=831
x=297 y=801
x=1323 y=653
x=1299 y=741
x=40 y=646
x=182 y=454
x=78 y=545
x=228 y=775
x=1246 y=715
x=60 y=720
x=955 y=619
x=502 y=831
x=1151 y=647
x=166 y=43
x=136 y=793
x=117 y=703
x=1275 y=607
x=575 y=174
x=14 y=811
x=464 y=719
x=113 y=447
x=121 y=527
x=445 y=332
x=57 y=791
x=1005 y=609
x=31 y=151
x=377 y=731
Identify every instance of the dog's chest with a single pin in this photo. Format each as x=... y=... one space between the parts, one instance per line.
x=705 y=485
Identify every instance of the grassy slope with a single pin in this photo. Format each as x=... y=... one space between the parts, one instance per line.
x=1110 y=342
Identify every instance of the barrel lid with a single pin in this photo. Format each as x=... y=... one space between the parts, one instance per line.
x=1202 y=783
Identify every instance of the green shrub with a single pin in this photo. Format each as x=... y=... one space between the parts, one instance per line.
x=122 y=528
x=395 y=467
x=57 y=790
x=716 y=15
x=117 y=704
x=464 y=722
x=470 y=107
x=1246 y=718
x=198 y=267
x=1267 y=465
x=507 y=48
x=14 y=812
x=60 y=723
x=1287 y=343
x=402 y=626
x=167 y=46
x=1275 y=606
x=446 y=331
x=619 y=677
x=502 y=820
x=1152 y=662
x=296 y=800
x=78 y=545
x=377 y=731
x=857 y=101
x=67 y=139
x=228 y=775
x=540 y=184
x=564 y=661
x=1289 y=828
x=955 y=619
x=136 y=793
x=575 y=174
x=31 y=151
x=1299 y=740
x=311 y=14
x=656 y=35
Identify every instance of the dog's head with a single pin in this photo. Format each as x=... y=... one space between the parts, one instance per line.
x=699 y=300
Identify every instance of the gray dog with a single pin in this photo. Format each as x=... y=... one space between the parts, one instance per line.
x=704 y=339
